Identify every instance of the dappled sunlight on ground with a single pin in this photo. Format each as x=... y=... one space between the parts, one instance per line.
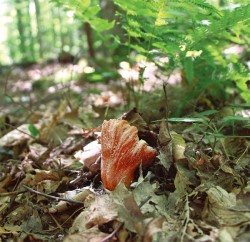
x=151 y=75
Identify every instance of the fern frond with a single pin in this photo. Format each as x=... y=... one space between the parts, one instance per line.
x=140 y=8
x=199 y=3
x=231 y=18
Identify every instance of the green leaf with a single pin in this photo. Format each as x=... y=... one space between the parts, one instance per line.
x=236 y=118
x=219 y=135
x=33 y=130
x=244 y=105
x=228 y=120
x=182 y=120
x=221 y=197
x=189 y=69
x=101 y=25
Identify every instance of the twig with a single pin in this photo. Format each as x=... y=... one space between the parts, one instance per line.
x=166 y=110
x=112 y=234
x=21 y=131
x=186 y=221
x=225 y=150
x=5 y=194
x=56 y=222
x=52 y=197
x=72 y=215
x=242 y=154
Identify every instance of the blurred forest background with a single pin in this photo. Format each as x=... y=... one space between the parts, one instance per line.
x=197 y=46
x=32 y=31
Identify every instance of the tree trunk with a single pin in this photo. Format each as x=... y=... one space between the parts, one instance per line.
x=61 y=30
x=20 y=27
x=88 y=32
x=53 y=28
x=39 y=27
x=30 y=34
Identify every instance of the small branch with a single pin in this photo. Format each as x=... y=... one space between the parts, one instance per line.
x=112 y=234
x=242 y=154
x=21 y=131
x=70 y=217
x=6 y=194
x=52 y=197
x=186 y=220
x=56 y=222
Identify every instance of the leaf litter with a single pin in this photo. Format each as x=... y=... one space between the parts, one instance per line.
x=197 y=189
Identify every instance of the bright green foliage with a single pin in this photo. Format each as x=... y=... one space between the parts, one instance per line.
x=193 y=34
x=87 y=11
x=36 y=30
x=33 y=130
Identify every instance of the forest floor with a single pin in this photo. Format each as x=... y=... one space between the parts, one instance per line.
x=196 y=189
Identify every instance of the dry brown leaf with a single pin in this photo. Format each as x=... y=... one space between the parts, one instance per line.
x=43 y=181
x=15 y=137
x=90 y=235
x=134 y=118
x=21 y=213
x=153 y=227
x=101 y=211
x=63 y=205
x=10 y=229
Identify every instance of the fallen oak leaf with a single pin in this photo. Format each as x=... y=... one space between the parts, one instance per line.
x=134 y=118
x=122 y=152
x=98 y=210
x=18 y=136
x=102 y=210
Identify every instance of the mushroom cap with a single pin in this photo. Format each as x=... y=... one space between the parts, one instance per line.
x=122 y=152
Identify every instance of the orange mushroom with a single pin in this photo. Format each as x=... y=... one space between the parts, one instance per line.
x=122 y=152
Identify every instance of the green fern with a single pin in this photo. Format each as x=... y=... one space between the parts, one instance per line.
x=199 y=3
x=178 y=29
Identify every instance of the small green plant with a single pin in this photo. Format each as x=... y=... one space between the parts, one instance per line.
x=194 y=36
x=33 y=130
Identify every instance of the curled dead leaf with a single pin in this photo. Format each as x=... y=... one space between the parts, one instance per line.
x=90 y=153
x=64 y=205
x=179 y=146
